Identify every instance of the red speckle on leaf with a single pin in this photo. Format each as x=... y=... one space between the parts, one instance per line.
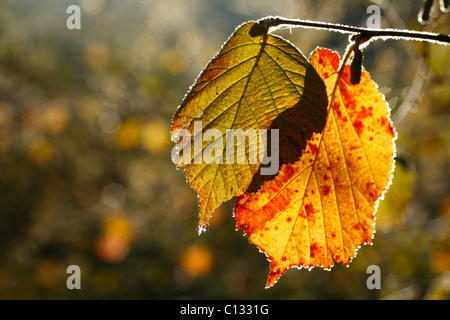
x=349 y=98
x=364 y=227
x=313 y=148
x=372 y=190
x=390 y=130
x=289 y=219
x=309 y=209
x=385 y=122
x=358 y=126
x=283 y=258
x=275 y=274
x=326 y=190
x=325 y=177
x=374 y=196
x=313 y=250
x=288 y=171
x=338 y=112
x=365 y=112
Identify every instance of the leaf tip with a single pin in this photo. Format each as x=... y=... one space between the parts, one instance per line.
x=201 y=228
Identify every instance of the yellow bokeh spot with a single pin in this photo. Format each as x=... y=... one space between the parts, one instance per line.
x=113 y=245
x=49 y=273
x=119 y=226
x=56 y=118
x=129 y=134
x=174 y=62
x=154 y=136
x=40 y=151
x=440 y=261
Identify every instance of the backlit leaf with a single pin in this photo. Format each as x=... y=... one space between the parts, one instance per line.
x=254 y=79
x=319 y=210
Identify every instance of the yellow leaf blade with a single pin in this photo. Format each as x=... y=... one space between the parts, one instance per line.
x=255 y=79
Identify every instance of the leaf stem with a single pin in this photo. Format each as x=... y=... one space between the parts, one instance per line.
x=365 y=33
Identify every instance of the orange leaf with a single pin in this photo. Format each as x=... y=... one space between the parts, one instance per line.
x=320 y=209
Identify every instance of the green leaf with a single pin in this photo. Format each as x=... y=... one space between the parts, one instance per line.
x=256 y=81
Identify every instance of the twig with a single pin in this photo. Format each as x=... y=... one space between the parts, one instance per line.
x=364 y=33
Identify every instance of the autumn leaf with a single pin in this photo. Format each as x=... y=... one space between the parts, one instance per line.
x=254 y=79
x=321 y=209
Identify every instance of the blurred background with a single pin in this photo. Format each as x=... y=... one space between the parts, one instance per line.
x=86 y=176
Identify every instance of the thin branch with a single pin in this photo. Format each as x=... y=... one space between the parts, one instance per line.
x=365 y=33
